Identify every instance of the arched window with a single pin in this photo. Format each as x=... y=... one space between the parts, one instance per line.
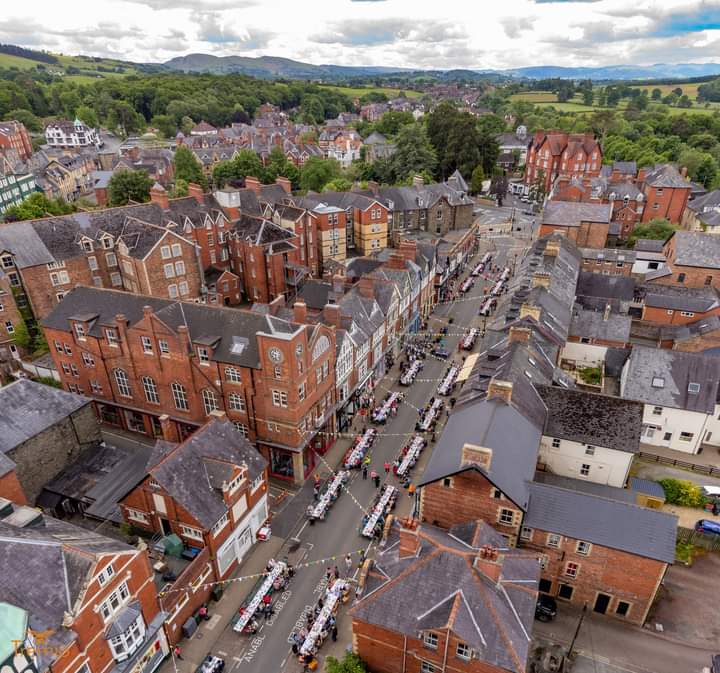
x=232 y=375
x=323 y=343
x=209 y=400
x=236 y=402
x=123 y=385
x=150 y=388
x=179 y=396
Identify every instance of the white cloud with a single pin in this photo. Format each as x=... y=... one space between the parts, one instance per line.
x=403 y=33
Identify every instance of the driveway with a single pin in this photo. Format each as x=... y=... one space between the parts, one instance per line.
x=688 y=609
x=656 y=471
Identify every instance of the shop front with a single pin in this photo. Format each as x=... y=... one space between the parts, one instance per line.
x=150 y=654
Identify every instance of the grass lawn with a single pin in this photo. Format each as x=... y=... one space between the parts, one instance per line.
x=535 y=97
x=362 y=90
x=10 y=61
x=690 y=88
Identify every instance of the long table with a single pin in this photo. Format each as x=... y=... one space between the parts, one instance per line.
x=486 y=258
x=468 y=341
x=379 y=510
x=466 y=284
x=277 y=570
x=318 y=511
x=432 y=412
x=416 y=446
x=446 y=386
x=409 y=376
x=478 y=270
x=383 y=411
x=505 y=274
x=356 y=454
x=487 y=306
x=332 y=596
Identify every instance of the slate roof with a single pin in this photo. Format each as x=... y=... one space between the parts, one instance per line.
x=29 y=408
x=609 y=254
x=222 y=325
x=514 y=441
x=647 y=487
x=692 y=330
x=586 y=323
x=608 y=287
x=672 y=371
x=440 y=588
x=589 y=418
x=665 y=175
x=315 y=293
x=625 y=167
x=698 y=300
x=571 y=214
x=709 y=200
x=602 y=521
x=649 y=245
x=193 y=472
x=694 y=248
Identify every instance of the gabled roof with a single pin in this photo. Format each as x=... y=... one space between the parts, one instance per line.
x=665 y=175
x=441 y=588
x=694 y=248
x=596 y=324
x=571 y=214
x=603 y=521
x=193 y=472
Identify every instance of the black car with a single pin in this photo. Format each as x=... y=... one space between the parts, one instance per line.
x=211 y=664
x=545 y=608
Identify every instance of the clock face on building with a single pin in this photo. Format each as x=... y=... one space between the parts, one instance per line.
x=299 y=350
x=275 y=354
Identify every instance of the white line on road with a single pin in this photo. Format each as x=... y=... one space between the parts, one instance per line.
x=303 y=528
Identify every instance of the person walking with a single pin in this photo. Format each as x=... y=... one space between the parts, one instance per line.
x=348 y=563
x=178 y=653
x=376 y=478
x=387 y=467
x=411 y=490
x=334 y=633
x=364 y=471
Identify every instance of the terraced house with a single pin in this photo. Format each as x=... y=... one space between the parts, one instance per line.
x=141 y=358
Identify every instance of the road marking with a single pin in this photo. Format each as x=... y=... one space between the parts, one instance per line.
x=222 y=654
x=303 y=528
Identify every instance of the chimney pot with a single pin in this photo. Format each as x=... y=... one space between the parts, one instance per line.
x=500 y=390
x=300 y=312
x=519 y=335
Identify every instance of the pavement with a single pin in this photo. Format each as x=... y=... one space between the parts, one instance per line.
x=651 y=470
x=326 y=543
x=709 y=456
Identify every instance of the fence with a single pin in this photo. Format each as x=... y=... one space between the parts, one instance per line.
x=684 y=464
x=705 y=540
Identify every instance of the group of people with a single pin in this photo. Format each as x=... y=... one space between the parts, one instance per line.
x=383 y=503
x=387 y=408
x=265 y=607
x=423 y=425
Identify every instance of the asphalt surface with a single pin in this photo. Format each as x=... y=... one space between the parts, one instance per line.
x=338 y=534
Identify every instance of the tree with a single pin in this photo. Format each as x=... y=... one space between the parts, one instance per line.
x=350 y=663
x=413 y=154
x=588 y=97
x=391 y=122
x=126 y=186
x=37 y=205
x=659 y=230
x=338 y=185
x=165 y=124
x=87 y=115
x=180 y=189
x=245 y=163
x=538 y=192
x=656 y=94
x=31 y=122
x=478 y=176
x=707 y=172
x=316 y=173
x=684 y=101
x=498 y=188
x=188 y=168
x=21 y=336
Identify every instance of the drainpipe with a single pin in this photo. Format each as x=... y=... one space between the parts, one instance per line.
x=404 y=653
x=447 y=644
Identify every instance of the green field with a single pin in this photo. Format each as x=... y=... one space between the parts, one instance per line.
x=362 y=90
x=688 y=88
x=87 y=66
x=536 y=97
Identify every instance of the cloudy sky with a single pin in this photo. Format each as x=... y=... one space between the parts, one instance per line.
x=408 y=33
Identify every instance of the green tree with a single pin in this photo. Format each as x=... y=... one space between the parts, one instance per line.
x=391 y=122
x=413 y=154
x=37 y=205
x=588 y=97
x=316 y=173
x=279 y=166
x=126 y=186
x=21 y=336
x=87 y=115
x=478 y=176
x=180 y=189
x=165 y=124
x=31 y=122
x=350 y=663
x=682 y=492
x=245 y=163
x=684 y=101
x=188 y=168
x=656 y=94
x=338 y=185
x=659 y=229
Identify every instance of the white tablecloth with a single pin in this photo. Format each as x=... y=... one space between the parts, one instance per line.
x=446 y=385
x=409 y=376
x=360 y=449
x=466 y=285
x=430 y=415
x=253 y=605
x=416 y=446
x=322 y=505
x=469 y=338
x=378 y=510
x=382 y=412
x=332 y=596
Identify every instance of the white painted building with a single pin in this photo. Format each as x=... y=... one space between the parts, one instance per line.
x=64 y=133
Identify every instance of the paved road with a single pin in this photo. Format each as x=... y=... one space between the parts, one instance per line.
x=338 y=534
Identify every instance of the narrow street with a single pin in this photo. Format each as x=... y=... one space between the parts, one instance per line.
x=338 y=534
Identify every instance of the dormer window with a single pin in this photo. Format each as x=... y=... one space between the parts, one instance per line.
x=107 y=242
x=693 y=388
x=203 y=355
x=658 y=382
x=79 y=331
x=87 y=246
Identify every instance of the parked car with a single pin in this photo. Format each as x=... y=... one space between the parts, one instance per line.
x=440 y=352
x=708 y=526
x=211 y=664
x=711 y=491
x=545 y=608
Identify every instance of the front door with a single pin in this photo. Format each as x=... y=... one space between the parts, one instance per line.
x=601 y=603
x=165 y=526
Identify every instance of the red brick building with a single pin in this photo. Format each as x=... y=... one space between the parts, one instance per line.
x=674 y=305
x=555 y=153
x=666 y=191
x=692 y=259
x=14 y=136
x=142 y=357
x=438 y=601
x=586 y=224
x=95 y=597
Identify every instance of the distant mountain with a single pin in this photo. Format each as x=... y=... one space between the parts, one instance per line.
x=618 y=72
x=271 y=67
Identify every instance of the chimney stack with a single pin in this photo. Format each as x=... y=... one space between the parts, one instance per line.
x=121 y=322
x=489 y=562
x=501 y=390
x=184 y=335
x=338 y=285
x=169 y=429
x=520 y=335
x=300 y=312
x=284 y=183
x=409 y=540
x=332 y=314
x=159 y=195
x=408 y=249
x=480 y=456
x=366 y=287
x=147 y=311
x=196 y=192
x=528 y=310
x=396 y=261
x=683 y=171
x=418 y=181
x=373 y=187
x=252 y=183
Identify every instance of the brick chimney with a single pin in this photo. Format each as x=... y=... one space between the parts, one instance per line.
x=332 y=314
x=683 y=171
x=366 y=287
x=196 y=192
x=409 y=540
x=541 y=279
x=300 y=312
x=184 y=336
x=284 y=183
x=520 y=335
x=500 y=390
x=373 y=187
x=476 y=455
x=552 y=248
x=276 y=304
x=408 y=249
x=147 y=311
x=642 y=174
x=396 y=261
x=159 y=195
x=489 y=562
x=169 y=429
x=531 y=311
x=253 y=183
x=615 y=175
x=418 y=181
